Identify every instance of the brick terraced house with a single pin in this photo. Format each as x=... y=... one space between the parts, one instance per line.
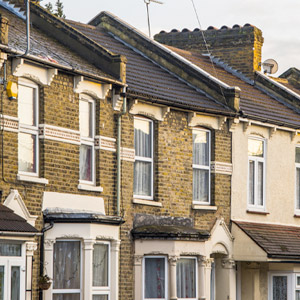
x=135 y=170
x=265 y=157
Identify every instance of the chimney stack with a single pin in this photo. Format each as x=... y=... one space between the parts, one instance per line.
x=238 y=47
x=4 y=30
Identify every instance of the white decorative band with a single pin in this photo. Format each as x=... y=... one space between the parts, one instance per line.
x=128 y=154
x=9 y=123
x=221 y=168
x=105 y=143
x=59 y=134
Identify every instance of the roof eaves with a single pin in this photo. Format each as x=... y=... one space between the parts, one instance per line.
x=170 y=60
x=15 y=10
x=99 y=56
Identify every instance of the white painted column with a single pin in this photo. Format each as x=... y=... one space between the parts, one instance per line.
x=173 y=286
x=228 y=278
x=30 y=248
x=201 y=278
x=138 y=277
x=115 y=249
x=48 y=265
x=207 y=268
x=88 y=247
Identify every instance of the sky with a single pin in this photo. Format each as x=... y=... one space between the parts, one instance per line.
x=279 y=20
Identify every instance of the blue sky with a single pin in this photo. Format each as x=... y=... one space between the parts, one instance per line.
x=279 y=20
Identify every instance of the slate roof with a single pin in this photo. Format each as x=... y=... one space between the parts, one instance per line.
x=11 y=222
x=254 y=102
x=278 y=241
x=46 y=48
x=147 y=80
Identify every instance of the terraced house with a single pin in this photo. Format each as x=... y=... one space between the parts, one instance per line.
x=136 y=170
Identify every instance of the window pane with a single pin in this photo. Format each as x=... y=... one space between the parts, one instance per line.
x=15 y=283
x=200 y=185
x=201 y=148
x=100 y=297
x=26 y=105
x=66 y=296
x=298 y=188
x=10 y=249
x=260 y=184
x=142 y=138
x=100 y=265
x=279 y=288
x=2 y=282
x=154 y=278
x=297 y=295
x=142 y=178
x=86 y=163
x=86 y=118
x=27 y=152
x=251 y=181
x=255 y=148
x=66 y=265
x=298 y=155
x=186 y=278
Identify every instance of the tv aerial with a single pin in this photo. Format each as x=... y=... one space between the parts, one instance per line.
x=270 y=66
x=147 y=2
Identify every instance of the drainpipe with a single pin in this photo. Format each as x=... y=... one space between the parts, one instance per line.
x=42 y=254
x=119 y=137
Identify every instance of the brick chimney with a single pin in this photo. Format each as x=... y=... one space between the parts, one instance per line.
x=239 y=47
x=3 y=30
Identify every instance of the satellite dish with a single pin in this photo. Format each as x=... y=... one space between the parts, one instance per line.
x=270 y=66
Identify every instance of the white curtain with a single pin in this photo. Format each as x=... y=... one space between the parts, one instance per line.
x=15 y=283
x=66 y=296
x=100 y=297
x=279 y=288
x=298 y=187
x=260 y=183
x=251 y=181
x=155 y=278
x=142 y=178
x=86 y=162
x=201 y=148
x=200 y=185
x=100 y=265
x=66 y=266
x=186 y=278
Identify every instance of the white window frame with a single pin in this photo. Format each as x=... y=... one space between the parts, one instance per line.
x=71 y=291
x=297 y=200
x=107 y=289
x=196 y=274
x=89 y=141
x=256 y=160
x=203 y=167
x=34 y=129
x=146 y=159
x=166 y=277
x=11 y=261
x=290 y=284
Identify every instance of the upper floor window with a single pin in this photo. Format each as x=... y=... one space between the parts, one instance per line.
x=201 y=166
x=256 y=175
x=297 y=159
x=87 y=139
x=143 y=166
x=28 y=128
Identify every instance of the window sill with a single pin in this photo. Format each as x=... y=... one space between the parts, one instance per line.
x=204 y=207
x=258 y=212
x=32 y=179
x=297 y=215
x=147 y=202
x=90 y=188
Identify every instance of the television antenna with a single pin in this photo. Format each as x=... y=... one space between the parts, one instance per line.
x=270 y=66
x=147 y=2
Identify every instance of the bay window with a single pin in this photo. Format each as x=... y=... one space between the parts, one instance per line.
x=256 y=173
x=155 y=278
x=186 y=277
x=143 y=166
x=297 y=159
x=87 y=139
x=28 y=128
x=201 y=166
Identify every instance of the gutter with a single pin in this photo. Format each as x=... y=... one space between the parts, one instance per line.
x=13 y=233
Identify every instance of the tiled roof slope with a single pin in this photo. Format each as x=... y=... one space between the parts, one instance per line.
x=254 y=103
x=278 y=241
x=11 y=222
x=146 y=79
x=46 y=48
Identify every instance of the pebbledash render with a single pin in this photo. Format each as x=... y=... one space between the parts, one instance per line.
x=134 y=170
